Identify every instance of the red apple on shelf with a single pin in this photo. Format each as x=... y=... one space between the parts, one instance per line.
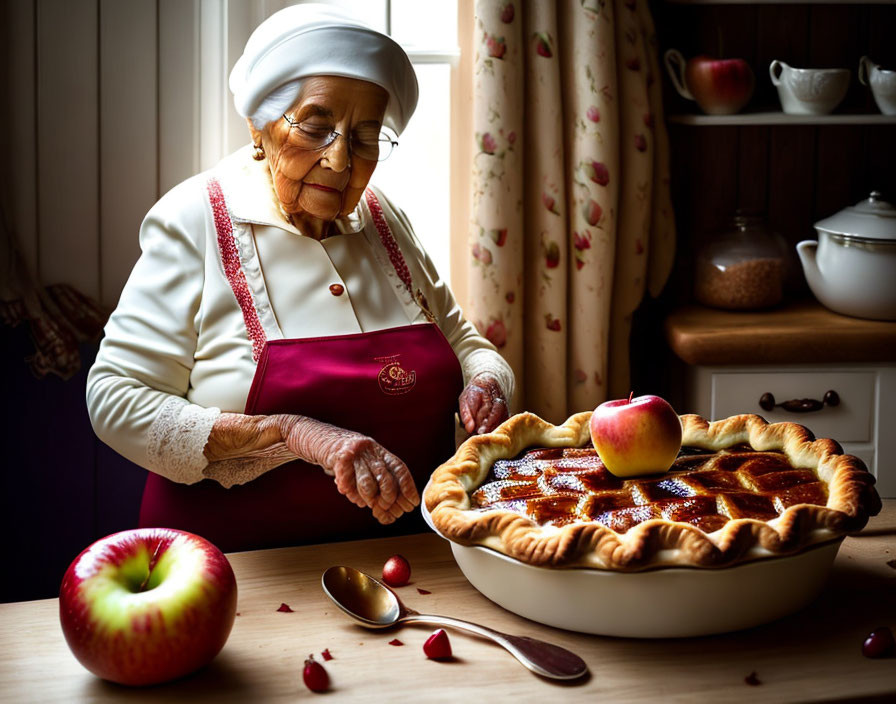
x=719 y=86
x=147 y=606
x=636 y=435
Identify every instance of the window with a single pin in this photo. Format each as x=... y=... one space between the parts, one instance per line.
x=417 y=175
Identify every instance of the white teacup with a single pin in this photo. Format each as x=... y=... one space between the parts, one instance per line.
x=882 y=82
x=809 y=91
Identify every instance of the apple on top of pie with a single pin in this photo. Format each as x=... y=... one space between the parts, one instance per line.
x=739 y=489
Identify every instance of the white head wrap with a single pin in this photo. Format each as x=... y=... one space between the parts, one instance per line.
x=321 y=40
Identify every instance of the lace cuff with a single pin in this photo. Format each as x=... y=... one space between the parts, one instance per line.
x=485 y=361
x=240 y=470
x=177 y=439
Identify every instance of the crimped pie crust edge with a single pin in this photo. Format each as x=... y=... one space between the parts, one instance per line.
x=657 y=542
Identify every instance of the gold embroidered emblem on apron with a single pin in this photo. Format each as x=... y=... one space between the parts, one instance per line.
x=393 y=378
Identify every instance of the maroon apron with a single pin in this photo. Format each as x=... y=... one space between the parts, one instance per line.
x=399 y=386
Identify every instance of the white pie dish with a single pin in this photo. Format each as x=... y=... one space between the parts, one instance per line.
x=671 y=602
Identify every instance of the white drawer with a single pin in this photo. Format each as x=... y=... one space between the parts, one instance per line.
x=851 y=421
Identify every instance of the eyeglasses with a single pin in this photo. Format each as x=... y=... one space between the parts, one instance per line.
x=365 y=143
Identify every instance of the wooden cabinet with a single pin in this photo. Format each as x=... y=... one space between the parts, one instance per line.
x=724 y=363
x=794 y=170
x=861 y=423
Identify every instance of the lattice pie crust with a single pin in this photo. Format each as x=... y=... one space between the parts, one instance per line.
x=656 y=542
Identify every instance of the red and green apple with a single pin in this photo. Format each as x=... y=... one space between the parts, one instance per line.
x=147 y=606
x=720 y=86
x=636 y=435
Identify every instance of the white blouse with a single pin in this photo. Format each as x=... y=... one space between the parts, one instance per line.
x=176 y=353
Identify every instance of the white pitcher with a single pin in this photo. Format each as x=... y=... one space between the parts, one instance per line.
x=882 y=82
x=808 y=91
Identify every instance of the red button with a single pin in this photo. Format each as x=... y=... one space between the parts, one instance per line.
x=337 y=289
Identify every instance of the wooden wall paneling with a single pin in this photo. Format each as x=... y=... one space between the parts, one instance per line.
x=712 y=176
x=20 y=172
x=834 y=42
x=877 y=171
x=68 y=143
x=128 y=135
x=178 y=76
x=838 y=177
x=710 y=30
x=752 y=169
x=880 y=45
x=680 y=147
x=792 y=179
x=737 y=34
x=704 y=190
x=790 y=191
x=780 y=34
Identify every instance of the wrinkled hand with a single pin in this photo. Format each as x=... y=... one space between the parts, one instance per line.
x=482 y=405
x=364 y=471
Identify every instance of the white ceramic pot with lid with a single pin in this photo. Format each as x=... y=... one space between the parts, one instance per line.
x=851 y=269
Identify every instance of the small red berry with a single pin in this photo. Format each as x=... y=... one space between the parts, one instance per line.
x=396 y=571
x=879 y=643
x=315 y=676
x=437 y=646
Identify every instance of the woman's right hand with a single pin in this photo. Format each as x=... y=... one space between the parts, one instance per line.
x=364 y=471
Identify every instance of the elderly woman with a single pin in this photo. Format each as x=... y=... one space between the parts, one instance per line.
x=285 y=359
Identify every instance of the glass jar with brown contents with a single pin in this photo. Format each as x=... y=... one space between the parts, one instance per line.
x=743 y=266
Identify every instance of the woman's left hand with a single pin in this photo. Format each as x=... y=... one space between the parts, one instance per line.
x=483 y=406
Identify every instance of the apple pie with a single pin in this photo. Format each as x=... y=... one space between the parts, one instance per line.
x=740 y=489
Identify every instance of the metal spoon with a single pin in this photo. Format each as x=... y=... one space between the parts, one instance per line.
x=374 y=605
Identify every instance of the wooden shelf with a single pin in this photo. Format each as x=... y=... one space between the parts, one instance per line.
x=796 y=333
x=778 y=118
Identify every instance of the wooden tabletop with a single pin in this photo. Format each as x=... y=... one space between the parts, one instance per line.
x=799 y=333
x=811 y=656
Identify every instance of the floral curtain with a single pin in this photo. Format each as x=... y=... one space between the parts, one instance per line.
x=571 y=213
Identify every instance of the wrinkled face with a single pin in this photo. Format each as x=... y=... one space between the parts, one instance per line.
x=317 y=186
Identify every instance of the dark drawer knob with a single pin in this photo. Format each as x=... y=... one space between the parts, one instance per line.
x=799 y=405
